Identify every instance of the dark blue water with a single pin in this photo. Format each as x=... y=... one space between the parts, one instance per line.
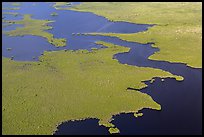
x=181 y=101
x=84 y=127
x=181 y=112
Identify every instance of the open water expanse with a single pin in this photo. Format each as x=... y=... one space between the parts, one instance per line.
x=181 y=102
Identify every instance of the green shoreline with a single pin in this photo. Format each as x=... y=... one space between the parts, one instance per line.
x=54 y=81
x=152 y=45
x=34 y=83
x=178 y=37
x=36 y=28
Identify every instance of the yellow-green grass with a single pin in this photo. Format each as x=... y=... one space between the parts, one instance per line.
x=177 y=33
x=138 y=114
x=15 y=4
x=35 y=27
x=72 y=85
x=152 y=80
x=114 y=130
x=10 y=8
x=58 y=5
x=10 y=13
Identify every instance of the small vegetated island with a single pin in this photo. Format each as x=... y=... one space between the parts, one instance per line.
x=62 y=5
x=76 y=85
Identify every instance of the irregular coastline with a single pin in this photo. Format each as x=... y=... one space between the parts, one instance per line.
x=47 y=64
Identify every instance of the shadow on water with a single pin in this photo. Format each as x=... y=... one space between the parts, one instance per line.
x=181 y=101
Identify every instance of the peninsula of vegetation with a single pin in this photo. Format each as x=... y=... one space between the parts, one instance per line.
x=46 y=93
x=34 y=27
x=70 y=85
x=177 y=31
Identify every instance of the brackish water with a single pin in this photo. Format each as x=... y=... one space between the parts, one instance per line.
x=181 y=101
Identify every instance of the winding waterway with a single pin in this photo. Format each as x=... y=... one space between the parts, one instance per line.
x=181 y=101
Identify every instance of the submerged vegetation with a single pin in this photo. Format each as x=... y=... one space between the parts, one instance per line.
x=15 y=4
x=54 y=14
x=47 y=92
x=177 y=31
x=10 y=8
x=9 y=49
x=10 y=13
x=59 y=5
x=34 y=27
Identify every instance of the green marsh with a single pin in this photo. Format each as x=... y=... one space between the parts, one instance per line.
x=35 y=27
x=177 y=31
x=48 y=92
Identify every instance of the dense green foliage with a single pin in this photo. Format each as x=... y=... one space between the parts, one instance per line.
x=76 y=85
x=72 y=85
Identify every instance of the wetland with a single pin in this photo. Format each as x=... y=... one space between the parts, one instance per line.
x=82 y=71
